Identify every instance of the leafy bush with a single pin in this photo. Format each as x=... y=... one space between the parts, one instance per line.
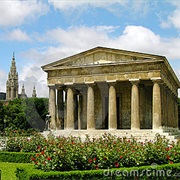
x=105 y=152
x=16 y=157
x=169 y=171
x=25 y=143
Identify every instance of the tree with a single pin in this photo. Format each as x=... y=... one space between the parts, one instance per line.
x=26 y=113
x=179 y=110
x=1 y=116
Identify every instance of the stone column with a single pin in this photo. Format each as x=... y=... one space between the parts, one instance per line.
x=157 y=124
x=65 y=110
x=79 y=110
x=52 y=106
x=90 y=107
x=112 y=107
x=75 y=109
x=60 y=108
x=70 y=109
x=135 y=119
x=176 y=112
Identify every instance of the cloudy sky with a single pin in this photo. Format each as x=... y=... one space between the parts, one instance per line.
x=42 y=31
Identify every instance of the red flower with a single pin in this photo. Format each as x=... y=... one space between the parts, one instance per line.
x=114 y=142
x=116 y=164
x=37 y=155
x=120 y=157
x=96 y=166
x=90 y=160
x=167 y=149
x=94 y=159
x=33 y=159
x=42 y=152
x=73 y=142
x=36 y=162
x=105 y=158
x=168 y=157
x=171 y=162
x=48 y=158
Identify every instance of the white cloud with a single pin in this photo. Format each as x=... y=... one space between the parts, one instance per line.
x=2 y=81
x=31 y=75
x=15 y=35
x=16 y=12
x=173 y=18
x=77 y=39
x=71 y=5
x=116 y=7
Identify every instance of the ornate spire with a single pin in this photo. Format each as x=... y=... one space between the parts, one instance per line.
x=34 y=92
x=23 y=89
x=23 y=94
x=12 y=82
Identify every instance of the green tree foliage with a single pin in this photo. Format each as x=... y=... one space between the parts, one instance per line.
x=1 y=116
x=179 y=111
x=24 y=113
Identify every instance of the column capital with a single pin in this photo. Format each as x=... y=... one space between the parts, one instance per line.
x=134 y=81
x=157 y=80
x=112 y=83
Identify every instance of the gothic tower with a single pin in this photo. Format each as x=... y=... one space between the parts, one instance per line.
x=12 y=82
x=34 y=92
x=23 y=94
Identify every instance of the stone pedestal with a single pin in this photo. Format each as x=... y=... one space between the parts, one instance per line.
x=135 y=119
x=112 y=107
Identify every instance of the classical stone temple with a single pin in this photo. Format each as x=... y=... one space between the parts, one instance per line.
x=112 y=89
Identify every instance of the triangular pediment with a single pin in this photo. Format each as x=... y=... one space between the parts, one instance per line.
x=100 y=56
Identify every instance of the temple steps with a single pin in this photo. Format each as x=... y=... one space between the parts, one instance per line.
x=140 y=135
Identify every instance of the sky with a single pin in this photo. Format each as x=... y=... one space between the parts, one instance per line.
x=39 y=32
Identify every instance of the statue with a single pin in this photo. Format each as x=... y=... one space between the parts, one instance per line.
x=47 y=120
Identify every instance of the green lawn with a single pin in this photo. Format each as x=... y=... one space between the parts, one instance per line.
x=8 y=170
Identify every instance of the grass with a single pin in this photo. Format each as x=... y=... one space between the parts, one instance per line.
x=8 y=170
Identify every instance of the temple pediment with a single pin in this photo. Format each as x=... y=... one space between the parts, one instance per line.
x=100 y=56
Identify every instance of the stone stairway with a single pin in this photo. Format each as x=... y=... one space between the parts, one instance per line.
x=139 y=135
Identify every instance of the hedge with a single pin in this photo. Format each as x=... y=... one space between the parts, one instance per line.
x=16 y=157
x=167 y=171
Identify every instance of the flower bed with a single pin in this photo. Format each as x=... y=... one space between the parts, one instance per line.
x=105 y=152
x=66 y=154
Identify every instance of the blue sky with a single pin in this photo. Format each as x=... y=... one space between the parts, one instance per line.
x=42 y=31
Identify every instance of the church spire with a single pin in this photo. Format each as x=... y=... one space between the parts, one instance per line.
x=23 y=94
x=12 y=82
x=23 y=89
x=34 y=92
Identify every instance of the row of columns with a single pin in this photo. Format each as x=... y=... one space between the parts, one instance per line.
x=112 y=124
